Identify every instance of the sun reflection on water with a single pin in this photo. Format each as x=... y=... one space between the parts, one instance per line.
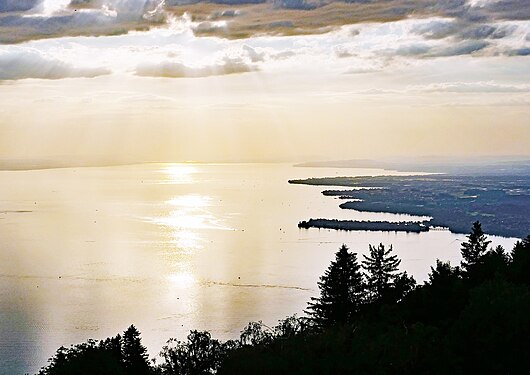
x=186 y=241
x=194 y=201
x=183 y=279
x=178 y=174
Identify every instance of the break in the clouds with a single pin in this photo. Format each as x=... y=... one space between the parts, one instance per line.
x=21 y=63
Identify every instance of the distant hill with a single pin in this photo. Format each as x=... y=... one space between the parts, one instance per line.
x=509 y=165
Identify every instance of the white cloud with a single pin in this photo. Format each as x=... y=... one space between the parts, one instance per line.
x=253 y=54
x=173 y=50
x=472 y=87
x=28 y=63
x=363 y=69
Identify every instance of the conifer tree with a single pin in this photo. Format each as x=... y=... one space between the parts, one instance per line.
x=134 y=354
x=381 y=270
x=520 y=265
x=474 y=249
x=341 y=291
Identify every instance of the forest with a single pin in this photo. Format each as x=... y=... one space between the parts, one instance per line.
x=369 y=318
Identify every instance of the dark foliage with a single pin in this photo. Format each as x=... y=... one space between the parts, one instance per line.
x=382 y=276
x=341 y=291
x=134 y=354
x=200 y=355
x=519 y=268
x=120 y=355
x=474 y=249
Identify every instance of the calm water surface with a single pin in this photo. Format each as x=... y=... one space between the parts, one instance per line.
x=85 y=252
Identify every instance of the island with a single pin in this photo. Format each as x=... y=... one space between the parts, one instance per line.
x=403 y=226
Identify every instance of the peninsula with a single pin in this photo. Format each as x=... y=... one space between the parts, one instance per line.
x=501 y=203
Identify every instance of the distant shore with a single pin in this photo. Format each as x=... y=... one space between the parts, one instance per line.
x=500 y=202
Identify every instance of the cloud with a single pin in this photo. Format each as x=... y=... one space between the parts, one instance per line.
x=283 y=55
x=461 y=19
x=419 y=49
x=18 y=5
x=363 y=70
x=124 y=7
x=21 y=64
x=439 y=29
x=503 y=9
x=519 y=52
x=295 y=4
x=253 y=54
x=171 y=69
x=462 y=48
x=50 y=18
x=17 y=28
x=342 y=53
x=208 y=26
x=436 y=29
x=472 y=87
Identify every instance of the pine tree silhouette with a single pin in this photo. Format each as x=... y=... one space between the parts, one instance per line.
x=474 y=249
x=341 y=291
x=134 y=354
x=381 y=271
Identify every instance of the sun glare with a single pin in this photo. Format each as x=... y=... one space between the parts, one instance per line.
x=194 y=201
x=179 y=173
x=182 y=279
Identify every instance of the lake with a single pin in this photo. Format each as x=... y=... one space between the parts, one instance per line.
x=85 y=252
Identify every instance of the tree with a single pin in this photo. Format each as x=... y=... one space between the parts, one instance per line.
x=256 y=333
x=134 y=354
x=441 y=299
x=402 y=285
x=341 y=291
x=86 y=359
x=474 y=249
x=200 y=355
x=493 y=263
x=491 y=333
x=519 y=269
x=381 y=271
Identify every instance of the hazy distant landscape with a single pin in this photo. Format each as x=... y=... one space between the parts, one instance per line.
x=501 y=203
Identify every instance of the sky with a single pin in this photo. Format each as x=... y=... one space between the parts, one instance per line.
x=107 y=81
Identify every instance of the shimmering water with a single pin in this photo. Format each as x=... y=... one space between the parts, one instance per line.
x=85 y=252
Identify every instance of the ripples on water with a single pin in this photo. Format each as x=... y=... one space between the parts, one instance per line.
x=85 y=252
